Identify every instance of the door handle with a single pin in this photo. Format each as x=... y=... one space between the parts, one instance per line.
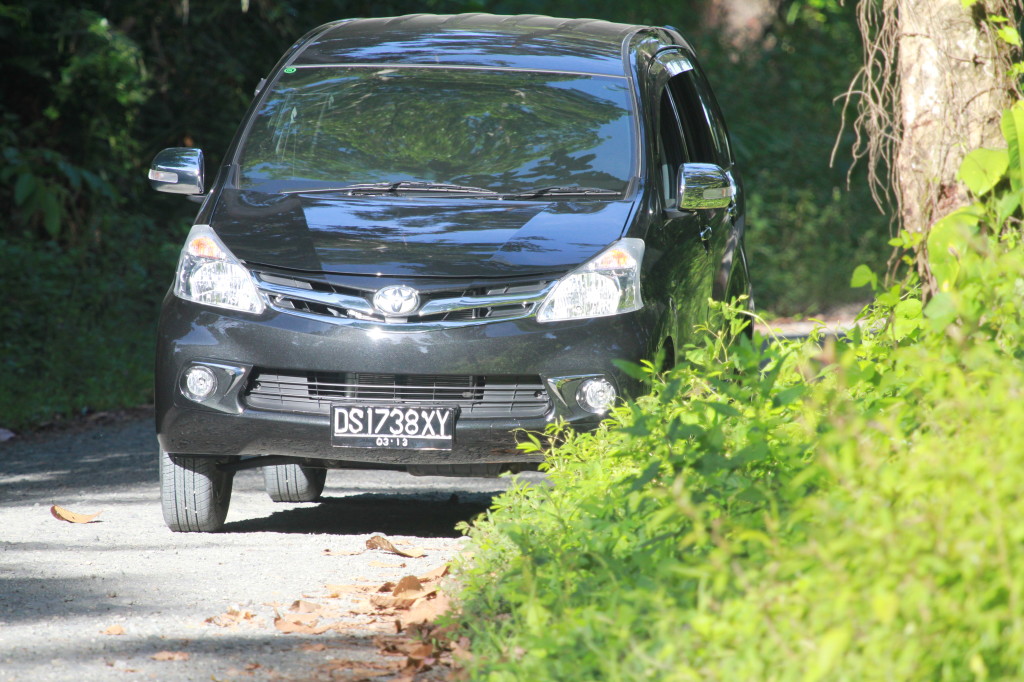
x=705 y=237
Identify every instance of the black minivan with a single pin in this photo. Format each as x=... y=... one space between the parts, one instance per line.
x=428 y=234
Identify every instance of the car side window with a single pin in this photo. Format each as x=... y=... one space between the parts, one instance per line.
x=672 y=147
x=702 y=122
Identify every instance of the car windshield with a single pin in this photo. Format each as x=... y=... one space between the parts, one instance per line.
x=509 y=132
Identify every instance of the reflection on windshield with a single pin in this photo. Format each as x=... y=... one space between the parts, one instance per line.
x=499 y=130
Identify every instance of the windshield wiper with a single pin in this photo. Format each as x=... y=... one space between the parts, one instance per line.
x=394 y=187
x=564 y=190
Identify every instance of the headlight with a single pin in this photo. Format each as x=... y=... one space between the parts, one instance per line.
x=608 y=284
x=209 y=274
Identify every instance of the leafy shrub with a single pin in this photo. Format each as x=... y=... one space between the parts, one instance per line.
x=78 y=330
x=792 y=513
x=805 y=241
x=596 y=570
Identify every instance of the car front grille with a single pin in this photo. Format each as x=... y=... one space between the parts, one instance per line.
x=477 y=396
x=320 y=299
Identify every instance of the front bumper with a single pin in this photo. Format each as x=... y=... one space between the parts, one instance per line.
x=238 y=346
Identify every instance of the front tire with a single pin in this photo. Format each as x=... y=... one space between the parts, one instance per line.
x=294 y=483
x=194 y=493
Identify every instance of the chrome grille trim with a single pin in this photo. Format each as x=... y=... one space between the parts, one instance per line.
x=478 y=397
x=469 y=302
x=323 y=298
x=321 y=301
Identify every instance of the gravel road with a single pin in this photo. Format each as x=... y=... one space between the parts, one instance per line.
x=63 y=585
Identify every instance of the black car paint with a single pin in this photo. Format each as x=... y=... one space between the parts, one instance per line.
x=510 y=347
x=371 y=241
x=416 y=236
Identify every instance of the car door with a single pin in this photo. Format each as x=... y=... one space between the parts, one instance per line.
x=686 y=237
x=707 y=141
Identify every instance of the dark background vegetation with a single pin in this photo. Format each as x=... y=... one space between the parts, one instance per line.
x=90 y=92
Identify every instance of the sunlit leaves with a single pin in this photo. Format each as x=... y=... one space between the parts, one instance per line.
x=948 y=241
x=982 y=169
x=1012 y=125
x=863 y=276
x=846 y=512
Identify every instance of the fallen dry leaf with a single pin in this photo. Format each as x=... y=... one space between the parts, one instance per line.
x=358 y=670
x=301 y=623
x=384 y=564
x=319 y=646
x=304 y=618
x=360 y=624
x=419 y=655
x=421 y=650
x=425 y=610
x=303 y=606
x=420 y=594
x=427 y=647
x=114 y=630
x=233 y=618
x=380 y=542
x=387 y=601
x=409 y=583
x=361 y=606
x=461 y=654
x=394 y=644
x=170 y=656
x=63 y=514
x=436 y=574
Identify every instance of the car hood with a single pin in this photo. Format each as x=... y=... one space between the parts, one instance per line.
x=414 y=235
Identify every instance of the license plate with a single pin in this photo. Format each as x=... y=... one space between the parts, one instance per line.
x=402 y=427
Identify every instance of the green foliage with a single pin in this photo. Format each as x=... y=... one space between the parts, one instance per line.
x=597 y=570
x=69 y=103
x=804 y=243
x=78 y=329
x=983 y=168
x=788 y=514
x=792 y=512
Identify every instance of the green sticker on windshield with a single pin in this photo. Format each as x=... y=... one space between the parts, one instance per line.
x=290 y=69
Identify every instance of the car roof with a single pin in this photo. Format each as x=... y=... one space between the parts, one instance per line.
x=529 y=42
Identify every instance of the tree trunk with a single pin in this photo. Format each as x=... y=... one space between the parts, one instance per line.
x=953 y=85
x=742 y=23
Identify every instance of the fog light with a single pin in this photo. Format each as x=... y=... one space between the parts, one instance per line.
x=596 y=395
x=199 y=383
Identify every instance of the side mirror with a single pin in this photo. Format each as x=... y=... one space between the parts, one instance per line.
x=704 y=185
x=178 y=170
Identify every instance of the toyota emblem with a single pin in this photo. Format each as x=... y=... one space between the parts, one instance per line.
x=396 y=300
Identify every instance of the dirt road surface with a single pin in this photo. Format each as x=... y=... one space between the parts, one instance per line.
x=64 y=585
